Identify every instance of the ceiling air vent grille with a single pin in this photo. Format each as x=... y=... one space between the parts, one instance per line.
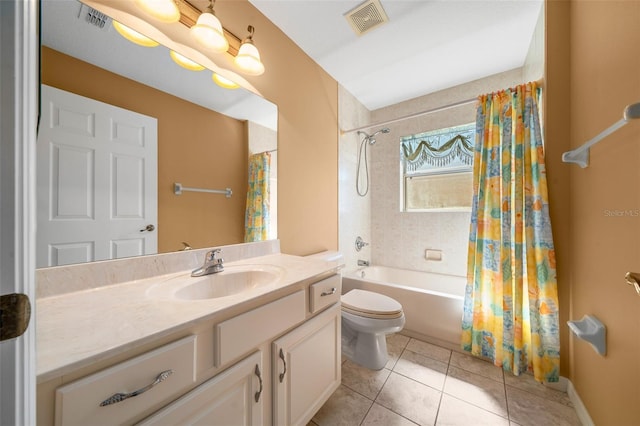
x=366 y=16
x=94 y=17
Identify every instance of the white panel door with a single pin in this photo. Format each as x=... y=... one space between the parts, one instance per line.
x=97 y=181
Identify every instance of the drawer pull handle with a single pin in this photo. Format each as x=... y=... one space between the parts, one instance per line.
x=118 y=397
x=257 y=373
x=328 y=293
x=285 y=366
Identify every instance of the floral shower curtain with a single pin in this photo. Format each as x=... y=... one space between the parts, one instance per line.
x=511 y=303
x=256 y=218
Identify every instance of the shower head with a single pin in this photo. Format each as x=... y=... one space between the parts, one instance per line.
x=370 y=138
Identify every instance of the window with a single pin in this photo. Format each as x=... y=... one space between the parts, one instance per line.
x=436 y=168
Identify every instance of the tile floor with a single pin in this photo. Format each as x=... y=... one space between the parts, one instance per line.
x=425 y=384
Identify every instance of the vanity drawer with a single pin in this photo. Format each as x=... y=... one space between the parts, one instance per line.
x=243 y=333
x=78 y=403
x=324 y=293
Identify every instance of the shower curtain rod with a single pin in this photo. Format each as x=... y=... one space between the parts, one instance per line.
x=539 y=82
x=415 y=114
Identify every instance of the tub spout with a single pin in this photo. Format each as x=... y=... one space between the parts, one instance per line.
x=363 y=262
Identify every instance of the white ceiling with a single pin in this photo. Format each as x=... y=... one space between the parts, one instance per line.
x=426 y=46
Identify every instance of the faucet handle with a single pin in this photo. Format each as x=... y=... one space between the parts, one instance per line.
x=214 y=256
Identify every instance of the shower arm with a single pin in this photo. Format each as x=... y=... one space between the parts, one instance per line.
x=580 y=155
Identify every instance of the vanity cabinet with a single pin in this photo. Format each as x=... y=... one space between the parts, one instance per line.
x=276 y=361
x=306 y=368
x=234 y=397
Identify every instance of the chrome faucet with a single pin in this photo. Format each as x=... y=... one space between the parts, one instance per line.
x=212 y=264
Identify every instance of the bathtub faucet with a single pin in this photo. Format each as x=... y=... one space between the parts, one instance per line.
x=363 y=262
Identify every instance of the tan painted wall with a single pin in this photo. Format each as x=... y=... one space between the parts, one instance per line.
x=605 y=205
x=557 y=133
x=190 y=140
x=307 y=99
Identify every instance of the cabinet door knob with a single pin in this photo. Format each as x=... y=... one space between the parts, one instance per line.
x=285 y=365
x=119 y=397
x=257 y=373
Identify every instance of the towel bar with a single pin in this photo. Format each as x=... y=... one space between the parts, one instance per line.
x=178 y=188
x=580 y=155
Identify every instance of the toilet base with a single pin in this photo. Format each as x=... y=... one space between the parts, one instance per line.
x=364 y=340
x=365 y=349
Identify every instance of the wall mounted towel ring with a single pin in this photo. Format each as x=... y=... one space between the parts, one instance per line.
x=580 y=156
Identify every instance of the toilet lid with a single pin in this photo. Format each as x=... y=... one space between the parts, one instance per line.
x=372 y=305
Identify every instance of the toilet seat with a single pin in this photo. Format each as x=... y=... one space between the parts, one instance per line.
x=370 y=305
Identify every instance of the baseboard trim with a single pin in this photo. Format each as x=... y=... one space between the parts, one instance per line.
x=581 y=410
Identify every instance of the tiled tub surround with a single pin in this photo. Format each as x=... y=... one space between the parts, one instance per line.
x=87 y=313
x=424 y=384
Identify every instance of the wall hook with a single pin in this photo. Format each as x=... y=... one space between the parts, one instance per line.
x=591 y=330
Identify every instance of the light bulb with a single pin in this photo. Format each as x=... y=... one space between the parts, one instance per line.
x=208 y=32
x=248 y=58
x=133 y=36
x=162 y=10
x=185 y=62
x=224 y=82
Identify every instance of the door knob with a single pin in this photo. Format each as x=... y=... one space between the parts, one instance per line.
x=148 y=228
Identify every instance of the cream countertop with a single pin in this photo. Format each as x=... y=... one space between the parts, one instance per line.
x=80 y=328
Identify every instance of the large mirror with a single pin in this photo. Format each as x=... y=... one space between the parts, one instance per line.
x=205 y=137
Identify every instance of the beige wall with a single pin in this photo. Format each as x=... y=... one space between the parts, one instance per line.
x=190 y=140
x=307 y=99
x=556 y=106
x=585 y=96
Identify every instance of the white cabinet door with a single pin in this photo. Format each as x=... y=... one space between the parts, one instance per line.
x=233 y=397
x=306 y=368
x=97 y=181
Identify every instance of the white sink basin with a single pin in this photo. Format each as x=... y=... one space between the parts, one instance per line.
x=233 y=280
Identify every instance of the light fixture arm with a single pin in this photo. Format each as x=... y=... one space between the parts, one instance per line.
x=249 y=38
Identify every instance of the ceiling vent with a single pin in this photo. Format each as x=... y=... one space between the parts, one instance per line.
x=366 y=16
x=94 y=17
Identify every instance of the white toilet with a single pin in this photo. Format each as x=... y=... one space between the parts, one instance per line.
x=367 y=318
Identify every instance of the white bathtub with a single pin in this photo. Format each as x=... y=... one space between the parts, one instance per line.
x=432 y=303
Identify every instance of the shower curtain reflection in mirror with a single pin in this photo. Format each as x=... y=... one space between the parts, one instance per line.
x=256 y=223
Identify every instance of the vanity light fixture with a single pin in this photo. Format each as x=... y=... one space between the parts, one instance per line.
x=248 y=58
x=133 y=36
x=208 y=31
x=185 y=62
x=224 y=82
x=163 y=10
